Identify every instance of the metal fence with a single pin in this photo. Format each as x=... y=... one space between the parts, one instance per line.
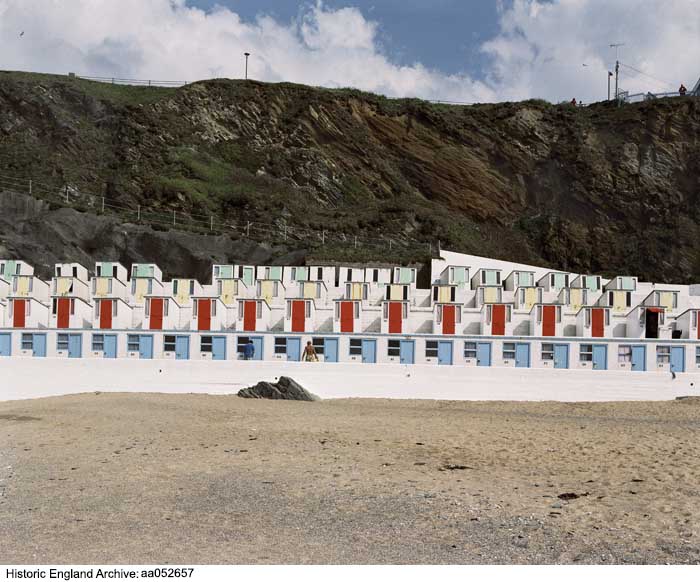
x=637 y=97
x=279 y=231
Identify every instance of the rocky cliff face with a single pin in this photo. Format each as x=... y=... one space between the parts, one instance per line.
x=597 y=189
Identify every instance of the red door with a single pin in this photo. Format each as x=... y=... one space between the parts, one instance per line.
x=156 y=313
x=498 y=320
x=19 y=317
x=395 y=317
x=204 y=314
x=597 y=322
x=347 y=316
x=548 y=320
x=298 y=315
x=448 y=319
x=106 y=314
x=63 y=312
x=250 y=309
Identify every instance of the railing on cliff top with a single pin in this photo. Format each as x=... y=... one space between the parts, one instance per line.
x=71 y=197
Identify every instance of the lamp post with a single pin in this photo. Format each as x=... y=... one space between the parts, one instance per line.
x=246 y=65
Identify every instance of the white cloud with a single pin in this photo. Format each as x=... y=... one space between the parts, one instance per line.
x=538 y=52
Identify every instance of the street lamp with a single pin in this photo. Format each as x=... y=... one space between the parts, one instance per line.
x=246 y=65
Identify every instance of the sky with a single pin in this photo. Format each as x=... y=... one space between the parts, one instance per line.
x=452 y=50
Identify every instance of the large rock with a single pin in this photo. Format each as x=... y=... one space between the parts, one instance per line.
x=284 y=389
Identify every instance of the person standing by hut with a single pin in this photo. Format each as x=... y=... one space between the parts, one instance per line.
x=309 y=354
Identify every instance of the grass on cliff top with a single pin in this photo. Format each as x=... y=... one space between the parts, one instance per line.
x=115 y=93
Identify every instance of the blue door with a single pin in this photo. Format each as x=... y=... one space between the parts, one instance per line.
x=258 y=345
x=182 y=347
x=39 y=345
x=600 y=357
x=5 y=344
x=677 y=359
x=483 y=354
x=522 y=355
x=639 y=358
x=75 y=345
x=445 y=353
x=110 y=346
x=218 y=347
x=146 y=347
x=369 y=351
x=561 y=355
x=330 y=350
x=293 y=349
x=407 y=351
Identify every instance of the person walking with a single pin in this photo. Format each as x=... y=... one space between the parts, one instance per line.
x=309 y=354
x=249 y=350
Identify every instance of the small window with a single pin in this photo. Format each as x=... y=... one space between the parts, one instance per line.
x=216 y=271
x=319 y=274
x=547 y=352
x=435 y=293
x=258 y=310
x=307 y=311
x=431 y=349
x=439 y=314
x=166 y=302
x=240 y=310
x=624 y=354
x=375 y=276
x=588 y=318
x=147 y=310
x=169 y=343
x=355 y=347
x=663 y=354
x=27 y=341
x=357 y=310
x=470 y=350
x=54 y=306
x=98 y=342
x=453 y=294
x=394 y=348
x=319 y=344
x=133 y=343
x=175 y=286
x=62 y=342
x=72 y=306
x=275 y=289
x=629 y=298
x=205 y=344
x=697 y=356
x=695 y=318
x=192 y=287
x=586 y=353
x=508 y=351
x=365 y=291
x=133 y=286
x=280 y=345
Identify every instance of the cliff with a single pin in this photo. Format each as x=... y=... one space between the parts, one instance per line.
x=594 y=189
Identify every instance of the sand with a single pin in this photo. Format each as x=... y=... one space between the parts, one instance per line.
x=154 y=478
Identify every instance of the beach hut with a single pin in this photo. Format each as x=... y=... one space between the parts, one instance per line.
x=546 y=320
x=347 y=316
x=486 y=278
x=146 y=279
x=447 y=318
x=253 y=315
x=519 y=278
x=209 y=313
x=300 y=315
x=497 y=319
x=594 y=322
x=395 y=317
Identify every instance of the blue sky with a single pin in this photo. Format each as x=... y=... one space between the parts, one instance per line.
x=453 y=50
x=441 y=34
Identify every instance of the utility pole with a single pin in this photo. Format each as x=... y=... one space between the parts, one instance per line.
x=246 y=65
x=616 y=46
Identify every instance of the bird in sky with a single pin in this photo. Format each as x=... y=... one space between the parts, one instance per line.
x=21 y=33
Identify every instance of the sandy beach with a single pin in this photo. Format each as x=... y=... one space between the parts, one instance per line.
x=155 y=478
